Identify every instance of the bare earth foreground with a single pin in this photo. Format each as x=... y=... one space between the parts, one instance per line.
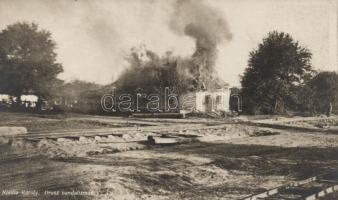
x=232 y=162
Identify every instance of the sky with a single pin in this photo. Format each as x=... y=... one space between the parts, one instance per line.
x=94 y=36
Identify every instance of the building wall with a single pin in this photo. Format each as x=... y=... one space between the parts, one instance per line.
x=200 y=101
x=206 y=101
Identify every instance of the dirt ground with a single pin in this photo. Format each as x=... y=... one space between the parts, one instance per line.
x=231 y=163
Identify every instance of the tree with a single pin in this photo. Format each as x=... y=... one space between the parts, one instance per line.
x=27 y=61
x=324 y=90
x=274 y=68
x=71 y=92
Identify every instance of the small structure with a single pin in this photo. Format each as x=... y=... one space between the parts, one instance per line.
x=211 y=101
x=208 y=100
x=28 y=101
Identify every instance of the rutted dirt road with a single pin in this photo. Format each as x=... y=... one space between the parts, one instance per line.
x=217 y=166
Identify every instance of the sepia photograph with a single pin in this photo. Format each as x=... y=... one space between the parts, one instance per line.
x=168 y=99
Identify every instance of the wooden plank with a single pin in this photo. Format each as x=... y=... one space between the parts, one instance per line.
x=323 y=193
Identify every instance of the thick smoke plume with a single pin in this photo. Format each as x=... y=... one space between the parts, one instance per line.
x=208 y=27
x=150 y=72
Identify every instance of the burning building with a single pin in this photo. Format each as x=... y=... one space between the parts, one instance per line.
x=193 y=76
